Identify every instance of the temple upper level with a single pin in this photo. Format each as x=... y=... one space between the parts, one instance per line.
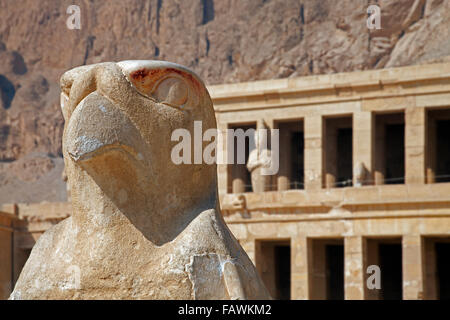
x=380 y=136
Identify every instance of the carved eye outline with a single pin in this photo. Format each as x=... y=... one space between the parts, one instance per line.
x=147 y=77
x=175 y=91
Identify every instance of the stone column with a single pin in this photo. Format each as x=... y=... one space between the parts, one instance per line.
x=299 y=269
x=313 y=152
x=412 y=253
x=363 y=142
x=354 y=268
x=415 y=124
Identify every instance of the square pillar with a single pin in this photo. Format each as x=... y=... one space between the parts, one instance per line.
x=299 y=269
x=313 y=152
x=363 y=143
x=354 y=268
x=413 y=277
x=415 y=125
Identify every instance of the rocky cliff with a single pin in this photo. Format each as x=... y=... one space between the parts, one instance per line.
x=222 y=40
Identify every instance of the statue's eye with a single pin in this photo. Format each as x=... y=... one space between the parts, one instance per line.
x=172 y=91
x=170 y=86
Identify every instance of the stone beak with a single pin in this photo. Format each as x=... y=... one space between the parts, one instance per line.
x=97 y=126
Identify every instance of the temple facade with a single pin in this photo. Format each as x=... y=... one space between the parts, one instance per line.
x=360 y=205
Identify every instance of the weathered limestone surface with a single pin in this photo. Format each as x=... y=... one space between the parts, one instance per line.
x=142 y=227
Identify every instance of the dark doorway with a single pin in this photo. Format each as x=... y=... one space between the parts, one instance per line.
x=292 y=146
x=283 y=271
x=335 y=272
x=344 y=157
x=390 y=257
x=395 y=154
x=297 y=160
x=438 y=145
x=443 y=150
x=338 y=152
x=390 y=148
x=443 y=270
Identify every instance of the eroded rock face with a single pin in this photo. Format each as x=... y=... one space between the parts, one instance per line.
x=142 y=227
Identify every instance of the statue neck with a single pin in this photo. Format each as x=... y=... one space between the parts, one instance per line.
x=159 y=218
